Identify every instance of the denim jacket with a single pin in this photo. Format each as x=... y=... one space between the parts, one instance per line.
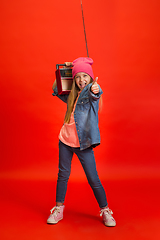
x=86 y=116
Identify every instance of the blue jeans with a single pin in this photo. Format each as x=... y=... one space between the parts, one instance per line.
x=87 y=160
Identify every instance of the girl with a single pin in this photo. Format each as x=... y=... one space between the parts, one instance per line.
x=79 y=135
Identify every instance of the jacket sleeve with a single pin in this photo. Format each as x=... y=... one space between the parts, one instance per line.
x=62 y=97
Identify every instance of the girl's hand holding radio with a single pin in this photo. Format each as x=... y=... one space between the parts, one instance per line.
x=68 y=64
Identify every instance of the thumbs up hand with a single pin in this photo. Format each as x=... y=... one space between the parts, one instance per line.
x=95 y=88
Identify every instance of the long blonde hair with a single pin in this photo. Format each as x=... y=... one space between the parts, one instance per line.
x=72 y=98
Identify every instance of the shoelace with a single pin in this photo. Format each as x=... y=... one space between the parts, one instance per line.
x=106 y=211
x=55 y=209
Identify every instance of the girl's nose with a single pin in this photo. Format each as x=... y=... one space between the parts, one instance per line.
x=81 y=79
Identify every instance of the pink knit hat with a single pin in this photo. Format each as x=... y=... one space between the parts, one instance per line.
x=83 y=64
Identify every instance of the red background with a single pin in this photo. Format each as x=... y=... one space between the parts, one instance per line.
x=124 y=41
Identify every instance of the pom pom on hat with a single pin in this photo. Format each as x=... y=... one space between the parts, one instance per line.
x=83 y=64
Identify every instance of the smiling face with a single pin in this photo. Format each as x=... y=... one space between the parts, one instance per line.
x=82 y=79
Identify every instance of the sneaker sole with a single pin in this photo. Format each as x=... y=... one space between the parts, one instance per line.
x=51 y=222
x=110 y=225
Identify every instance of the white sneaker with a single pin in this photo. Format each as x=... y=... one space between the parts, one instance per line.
x=108 y=220
x=56 y=215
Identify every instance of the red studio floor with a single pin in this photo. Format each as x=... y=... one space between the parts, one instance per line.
x=25 y=206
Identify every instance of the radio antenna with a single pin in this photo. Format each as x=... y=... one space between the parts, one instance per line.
x=84 y=29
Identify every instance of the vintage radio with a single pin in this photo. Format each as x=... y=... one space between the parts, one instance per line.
x=64 y=79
